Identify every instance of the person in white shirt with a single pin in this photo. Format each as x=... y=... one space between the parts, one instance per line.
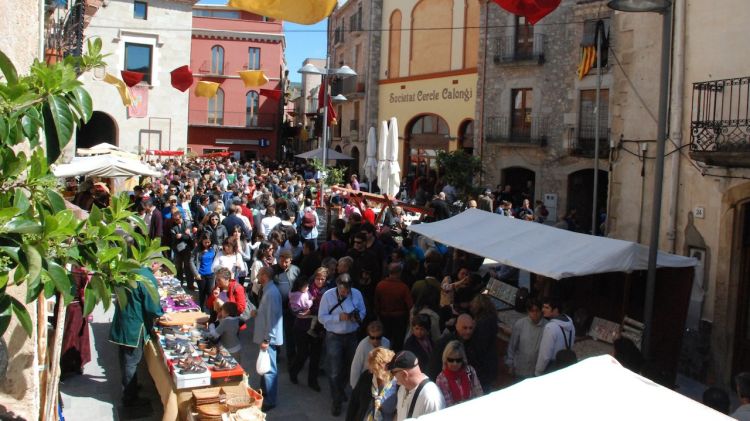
x=269 y=222
x=373 y=340
x=418 y=395
x=559 y=334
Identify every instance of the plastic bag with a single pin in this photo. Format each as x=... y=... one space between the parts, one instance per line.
x=263 y=364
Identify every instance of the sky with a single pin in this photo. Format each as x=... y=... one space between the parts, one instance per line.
x=302 y=41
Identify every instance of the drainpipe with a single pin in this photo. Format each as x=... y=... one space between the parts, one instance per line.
x=675 y=121
x=41 y=31
x=484 y=80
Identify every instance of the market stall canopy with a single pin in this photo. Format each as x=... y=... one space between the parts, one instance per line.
x=318 y=154
x=597 y=388
x=104 y=149
x=541 y=249
x=103 y=166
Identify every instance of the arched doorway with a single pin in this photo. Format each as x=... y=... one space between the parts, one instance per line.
x=101 y=128
x=466 y=136
x=580 y=197
x=338 y=148
x=425 y=136
x=354 y=163
x=521 y=182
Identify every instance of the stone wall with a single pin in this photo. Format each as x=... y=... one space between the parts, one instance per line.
x=19 y=386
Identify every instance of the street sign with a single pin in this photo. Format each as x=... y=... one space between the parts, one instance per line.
x=264 y=143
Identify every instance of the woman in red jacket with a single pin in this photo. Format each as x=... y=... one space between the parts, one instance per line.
x=226 y=290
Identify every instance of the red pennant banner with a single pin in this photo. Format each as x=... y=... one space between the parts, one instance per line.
x=271 y=93
x=532 y=10
x=216 y=155
x=182 y=78
x=131 y=78
x=164 y=153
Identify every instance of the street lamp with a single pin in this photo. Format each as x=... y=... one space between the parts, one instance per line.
x=664 y=7
x=327 y=74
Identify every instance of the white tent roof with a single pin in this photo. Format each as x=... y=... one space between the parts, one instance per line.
x=318 y=153
x=106 y=148
x=103 y=166
x=541 y=249
x=595 y=389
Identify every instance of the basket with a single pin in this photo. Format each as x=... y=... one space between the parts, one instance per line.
x=237 y=402
x=256 y=397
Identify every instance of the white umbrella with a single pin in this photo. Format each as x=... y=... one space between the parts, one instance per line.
x=382 y=152
x=394 y=169
x=103 y=166
x=331 y=154
x=371 y=163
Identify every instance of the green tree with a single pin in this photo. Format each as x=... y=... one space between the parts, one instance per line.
x=40 y=238
x=459 y=169
x=334 y=175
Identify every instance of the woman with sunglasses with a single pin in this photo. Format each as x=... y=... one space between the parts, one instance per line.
x=374 y=397
x=458 y=381
x=218 y=232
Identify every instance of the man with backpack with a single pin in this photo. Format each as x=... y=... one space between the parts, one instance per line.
x=418 y=395
x=557 y=339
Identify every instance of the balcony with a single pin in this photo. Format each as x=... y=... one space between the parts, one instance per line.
x=64 y=30
x=354 y=126
x=355 y=23
x=233 y=120
x=583 y=147
x=352 y=86
x=205 y=69
x=500 y=130
x=508 y=51
x=720 y=122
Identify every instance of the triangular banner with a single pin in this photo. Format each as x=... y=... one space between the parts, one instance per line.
x=305 y=12
x=182 y=78
x=206 y=89
x=271 y=93
x=253 y=78
x=131 y=78
x=532 y=10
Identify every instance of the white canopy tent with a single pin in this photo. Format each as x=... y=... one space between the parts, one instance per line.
x=541 y=249
x=103 y=166
x=318 y=154
x=595 y=389
x=104 y=149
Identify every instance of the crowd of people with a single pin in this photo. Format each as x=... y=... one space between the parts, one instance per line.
x=401 y=325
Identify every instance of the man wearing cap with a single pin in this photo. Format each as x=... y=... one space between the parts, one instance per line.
x=341 y=311
x=418 y=395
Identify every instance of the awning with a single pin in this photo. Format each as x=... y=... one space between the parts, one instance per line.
x=103 y=166
x=318 y=154
x=594 y=389
x=542 y=249
x=104 y=149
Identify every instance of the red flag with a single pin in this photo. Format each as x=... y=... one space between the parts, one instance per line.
x=321 y=95
x=532 y=10
x=271 y=93
x=182 y=78
x=131 y=78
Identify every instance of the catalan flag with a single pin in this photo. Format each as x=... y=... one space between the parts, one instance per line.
x=588 y=59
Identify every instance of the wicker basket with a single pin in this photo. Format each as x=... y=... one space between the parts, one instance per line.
x=237 y=402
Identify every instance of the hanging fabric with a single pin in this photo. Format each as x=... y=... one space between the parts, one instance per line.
x=532 y=10
x=305 y=12
x=182 y=78
x=253 y=78
x=206 y=89
x=127 y=100
x=271 y=93
x=131 y=78
x=591 y=34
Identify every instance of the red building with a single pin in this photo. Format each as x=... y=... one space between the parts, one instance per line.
x=226 y=41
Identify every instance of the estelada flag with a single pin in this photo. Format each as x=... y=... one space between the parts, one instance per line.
x=532 y=10
x=305 y=12
x=182 y=78
x=588 y=48
x=271 y=93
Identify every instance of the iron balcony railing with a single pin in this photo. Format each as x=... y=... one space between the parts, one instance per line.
x=720 y=116
x=64 y=30
x=509 y=49
x=585 y=144
x=501 y=130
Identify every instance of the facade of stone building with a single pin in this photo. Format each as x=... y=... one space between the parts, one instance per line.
x=428 y=79
x=705 y=211
x=353 y=42
x=538 y=116
x=240 y=120
x=152 y=37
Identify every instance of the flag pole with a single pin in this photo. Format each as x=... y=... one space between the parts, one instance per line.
x=598 y=36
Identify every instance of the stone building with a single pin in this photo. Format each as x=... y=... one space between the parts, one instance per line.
x=151 y=37
x=538 y=116
x=706 y=199
x=354 y=41
x=428 y=79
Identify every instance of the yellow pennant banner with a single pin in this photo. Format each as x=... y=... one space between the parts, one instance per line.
x=305 y=12
x=122 y=88
x=206 y=89
x=253 y=78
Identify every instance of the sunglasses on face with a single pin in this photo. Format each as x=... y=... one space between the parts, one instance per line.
x=455 y=360
x=376 y=338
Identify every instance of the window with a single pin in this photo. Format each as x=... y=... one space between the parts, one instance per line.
x=253 y=58
x=222 y=14
x=216 y=108
x=430 y=124
x=138 y=59
x=251 y=109
x=587 y=119
x=140 y=10
x=524 y=45
x=521 y=112
x=589 y=39
x=217 y=60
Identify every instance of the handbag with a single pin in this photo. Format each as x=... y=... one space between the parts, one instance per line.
x=263 y=363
